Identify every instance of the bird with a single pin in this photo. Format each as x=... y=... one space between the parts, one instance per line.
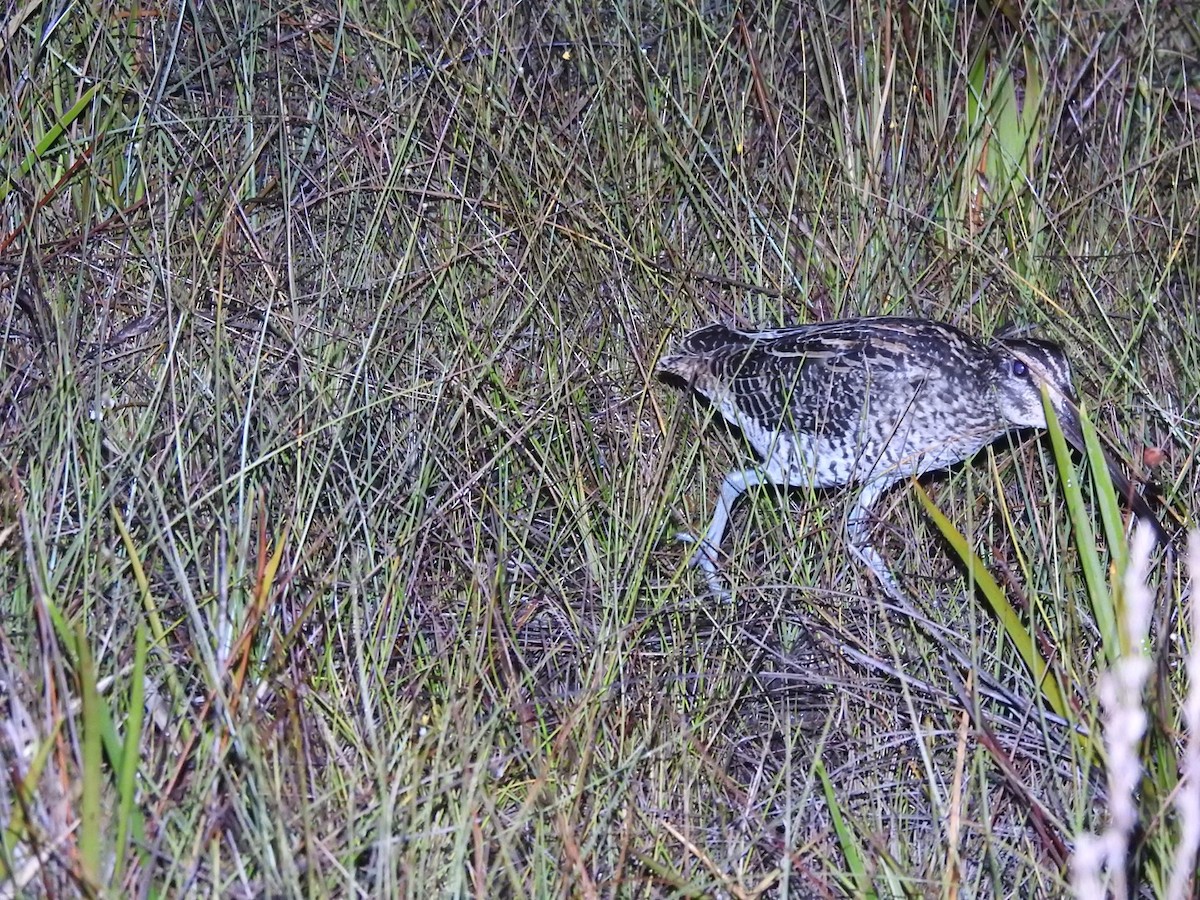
x=867 y=402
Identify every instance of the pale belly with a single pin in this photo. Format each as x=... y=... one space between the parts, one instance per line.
x=818 y=461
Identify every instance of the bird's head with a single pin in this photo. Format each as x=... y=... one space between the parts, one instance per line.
x=1026 y=367
x=1023 y=368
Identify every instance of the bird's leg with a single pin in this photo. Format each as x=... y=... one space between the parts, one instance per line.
x=705 y=557
x=858 y=530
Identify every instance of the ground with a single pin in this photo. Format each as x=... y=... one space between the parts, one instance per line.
x=337 y=526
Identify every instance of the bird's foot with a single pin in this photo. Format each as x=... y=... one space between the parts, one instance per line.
x=705 y=559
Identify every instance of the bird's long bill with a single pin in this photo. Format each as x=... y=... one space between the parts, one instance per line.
x=1068 y=420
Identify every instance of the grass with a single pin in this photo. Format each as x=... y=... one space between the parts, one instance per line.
x=336 y=534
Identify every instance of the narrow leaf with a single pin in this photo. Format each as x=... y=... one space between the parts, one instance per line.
x=1009 y=619
x=1085 y=537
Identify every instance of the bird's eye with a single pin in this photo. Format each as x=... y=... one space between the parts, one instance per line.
x=1019 y=368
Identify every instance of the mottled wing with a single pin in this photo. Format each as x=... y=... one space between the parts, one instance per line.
x=807 y=380
x=810 y=383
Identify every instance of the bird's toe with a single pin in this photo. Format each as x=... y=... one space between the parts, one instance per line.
x=705 y=557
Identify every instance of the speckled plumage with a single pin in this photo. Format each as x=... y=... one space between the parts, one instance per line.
x=869 y=402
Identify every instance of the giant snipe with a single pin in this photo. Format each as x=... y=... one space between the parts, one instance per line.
x=868 y=402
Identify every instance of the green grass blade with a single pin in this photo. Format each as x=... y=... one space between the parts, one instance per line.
x=1013 y=626
x=49 y=139
x=91 y=777
x=1099 y=596
x=846 y=836
x=1106 y=498
x=127 y=812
